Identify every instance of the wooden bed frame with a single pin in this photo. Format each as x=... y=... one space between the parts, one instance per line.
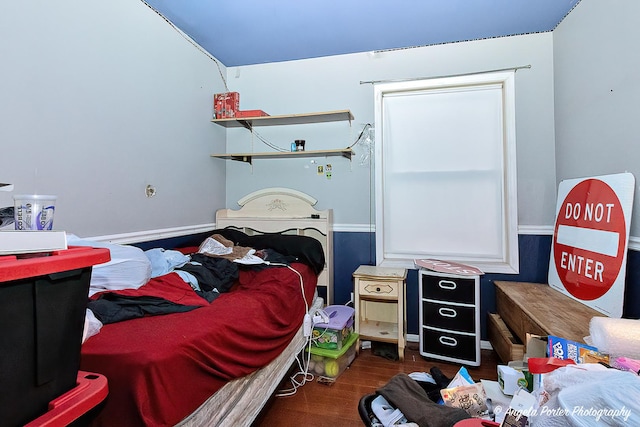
x=269 y=210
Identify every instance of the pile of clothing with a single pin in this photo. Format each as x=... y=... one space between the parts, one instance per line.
x=411 y=400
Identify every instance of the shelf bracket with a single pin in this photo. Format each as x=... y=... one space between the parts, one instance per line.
x=246 y=159
x=246 y=124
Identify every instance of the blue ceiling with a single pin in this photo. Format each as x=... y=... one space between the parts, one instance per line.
x=244 y=32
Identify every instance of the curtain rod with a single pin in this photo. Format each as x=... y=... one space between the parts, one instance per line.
x=449 y=75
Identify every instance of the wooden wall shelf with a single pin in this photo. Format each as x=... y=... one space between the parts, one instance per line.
x=290 y=119
x=248 y=157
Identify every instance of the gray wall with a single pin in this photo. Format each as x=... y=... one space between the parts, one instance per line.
x=333 y=83
x=100 y=99
x=597 y=94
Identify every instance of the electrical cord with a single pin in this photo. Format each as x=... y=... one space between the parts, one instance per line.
x=264 y=141
x=303 y=364
x=364 y=129
x=285 y=150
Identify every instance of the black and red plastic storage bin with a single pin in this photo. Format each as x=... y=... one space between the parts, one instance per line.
x=43 y=301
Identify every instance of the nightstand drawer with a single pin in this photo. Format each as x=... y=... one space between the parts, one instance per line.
x=451 y=289
x=449 y=345
x=378 y=288
x=450 y=317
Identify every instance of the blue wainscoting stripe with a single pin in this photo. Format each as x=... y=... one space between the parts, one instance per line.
x=632 y=289
x=352 y=249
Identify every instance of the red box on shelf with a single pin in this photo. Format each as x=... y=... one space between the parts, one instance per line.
x=251 y=113
x=225 y=105
x=43 y=300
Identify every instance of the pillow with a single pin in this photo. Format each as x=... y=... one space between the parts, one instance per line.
x=129 y=267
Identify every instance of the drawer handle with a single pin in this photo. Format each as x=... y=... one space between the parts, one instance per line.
x=447 y=312
x=451 y=342
x=447 y=284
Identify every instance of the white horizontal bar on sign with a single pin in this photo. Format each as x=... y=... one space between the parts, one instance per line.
x=599 y=241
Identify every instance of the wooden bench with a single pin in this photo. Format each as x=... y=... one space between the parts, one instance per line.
x=534 y=308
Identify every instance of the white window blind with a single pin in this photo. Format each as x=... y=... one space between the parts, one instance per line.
x=445 y=171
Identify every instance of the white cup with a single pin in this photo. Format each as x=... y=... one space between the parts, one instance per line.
x=34 y=212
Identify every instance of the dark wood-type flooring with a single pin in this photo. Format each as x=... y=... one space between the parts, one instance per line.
x=336 y=405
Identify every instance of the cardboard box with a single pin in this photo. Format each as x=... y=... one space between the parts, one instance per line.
x=536 y=346
x=562 y=348
x=225 y=105
x=251 y=113
x=334 y=334
x=31 y=241
x=332 y=339
x=510 y=380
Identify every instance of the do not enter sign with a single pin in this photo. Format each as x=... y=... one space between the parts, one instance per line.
x=590 y=240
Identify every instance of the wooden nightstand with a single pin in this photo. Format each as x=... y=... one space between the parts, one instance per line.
x=380 y=314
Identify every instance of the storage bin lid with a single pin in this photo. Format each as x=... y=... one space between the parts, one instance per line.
x=334 y=354
x=339 y=316
x=14 y=268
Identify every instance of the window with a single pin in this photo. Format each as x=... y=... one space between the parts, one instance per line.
x=445 y=178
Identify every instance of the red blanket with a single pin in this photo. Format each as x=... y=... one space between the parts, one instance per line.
x=162 y=368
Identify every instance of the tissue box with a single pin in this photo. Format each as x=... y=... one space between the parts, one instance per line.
x=329 y=364
x=332 y=335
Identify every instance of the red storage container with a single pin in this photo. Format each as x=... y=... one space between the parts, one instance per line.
x=42 y=310
x=250 y=113
x=91 y=389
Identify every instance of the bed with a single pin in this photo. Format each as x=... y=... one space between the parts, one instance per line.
x=285 y=211
x=219 y=363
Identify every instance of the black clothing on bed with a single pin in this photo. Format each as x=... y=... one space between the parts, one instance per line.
x=214 y=275
x=304 y=249
x=211 y=272
x=111 y=308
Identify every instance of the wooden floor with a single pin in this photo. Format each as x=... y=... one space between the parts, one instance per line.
x=336 y=405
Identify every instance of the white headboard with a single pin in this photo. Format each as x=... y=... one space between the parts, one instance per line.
x=283 y=210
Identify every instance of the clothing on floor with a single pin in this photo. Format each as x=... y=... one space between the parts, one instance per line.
x=406 y=395
x=387 y=414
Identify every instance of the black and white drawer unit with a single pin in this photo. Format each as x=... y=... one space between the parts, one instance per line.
x=450 y=317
